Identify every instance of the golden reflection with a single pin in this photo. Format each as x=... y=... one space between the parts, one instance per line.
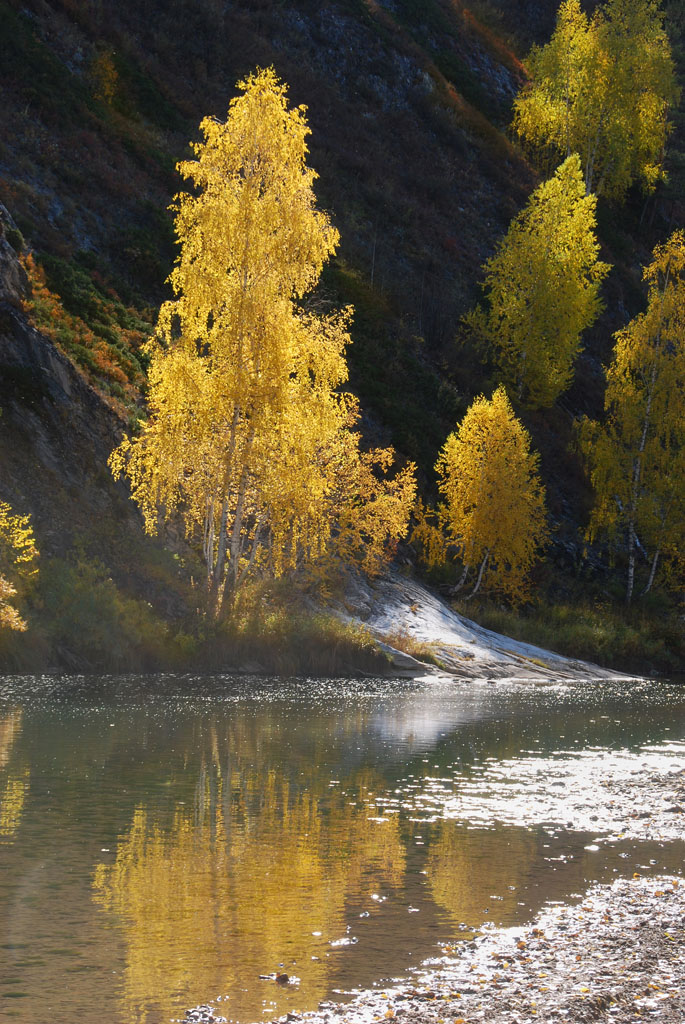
x=12 y=803
x=236 y=886
x=13 y=791
x=10 y=727
x=466 y=867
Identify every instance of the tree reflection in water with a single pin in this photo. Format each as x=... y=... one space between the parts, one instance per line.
x=241 y=882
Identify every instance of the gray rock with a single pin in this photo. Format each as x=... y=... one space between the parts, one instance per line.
x=14 y=284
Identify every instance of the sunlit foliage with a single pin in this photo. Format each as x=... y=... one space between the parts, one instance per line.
x=542 y=287
x=602 y=87
x=493 y=511
x=637 y=457
x=249 y=436
x=18 y=554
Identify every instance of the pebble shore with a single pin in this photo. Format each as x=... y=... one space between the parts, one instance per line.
x=617 y=956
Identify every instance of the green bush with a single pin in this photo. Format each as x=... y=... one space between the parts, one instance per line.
x=15 y=239
x=91 y=624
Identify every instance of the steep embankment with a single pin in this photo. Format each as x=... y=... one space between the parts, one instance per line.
x=97 y=569
x=407 y=138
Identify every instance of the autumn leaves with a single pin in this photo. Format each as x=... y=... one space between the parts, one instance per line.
x=542 y=288
x=493 y=512
x=600 y=92
x=251 y=439
x=18 y=554
x=637 y=456
x=602 y=88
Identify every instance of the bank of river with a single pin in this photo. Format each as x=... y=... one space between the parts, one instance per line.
x=616 y=956
x=165 y=841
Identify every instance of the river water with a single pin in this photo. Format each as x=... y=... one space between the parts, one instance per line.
x=165 y=841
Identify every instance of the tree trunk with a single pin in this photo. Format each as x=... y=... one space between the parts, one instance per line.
x=631 y=560
x=462 y=580
x=232 y=572
x=215 y=579
x=208 y=538
x=652 y=572
x=480 y=574
x=637 y=461
x=256 y=543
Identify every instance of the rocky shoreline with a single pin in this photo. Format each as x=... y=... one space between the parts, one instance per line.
x=617 y=956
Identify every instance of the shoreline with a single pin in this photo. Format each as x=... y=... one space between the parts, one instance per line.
x=618 y=955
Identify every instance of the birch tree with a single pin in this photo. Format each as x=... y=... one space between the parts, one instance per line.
x=249 y=438
x=493 y=510
x=602 y=87
x=542 y=287
x=18 y=554
x=637 y=457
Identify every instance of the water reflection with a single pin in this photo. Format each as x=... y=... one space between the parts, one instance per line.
x=164 y=847
x=10 y=727
x=13 y=783
x=256 y=872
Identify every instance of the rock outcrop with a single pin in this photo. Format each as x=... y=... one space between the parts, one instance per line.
x=14 y=284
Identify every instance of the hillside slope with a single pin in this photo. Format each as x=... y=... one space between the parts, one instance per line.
x=98 y=571
x=408 y=103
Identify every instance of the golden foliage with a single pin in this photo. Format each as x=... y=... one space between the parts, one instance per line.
x=105 y=78
x=542 y=287
x=428 y=535
x=602 y=87
x=249 y=437
x=18 y=553
x=637 y=458
x=493 y=508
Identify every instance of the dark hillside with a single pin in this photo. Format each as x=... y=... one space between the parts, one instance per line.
x=408 y=102
x=420 y=182
x=89 y=607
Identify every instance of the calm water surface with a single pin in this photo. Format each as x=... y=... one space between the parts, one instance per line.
x=164 y=841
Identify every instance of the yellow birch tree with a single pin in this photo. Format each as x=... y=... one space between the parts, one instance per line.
x=18 y=554
x=602 y=87
x=493 y=510
x=637 y=457
x=248 y=427
x=542 y=287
